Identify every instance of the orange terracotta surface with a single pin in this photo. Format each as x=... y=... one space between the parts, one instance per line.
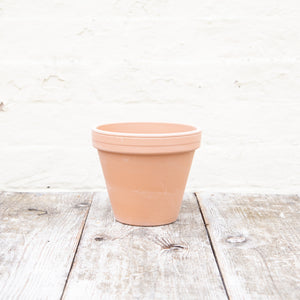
x=146 y=166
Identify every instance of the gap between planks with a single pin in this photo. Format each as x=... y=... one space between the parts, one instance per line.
x=76 y=250
x=212 y=246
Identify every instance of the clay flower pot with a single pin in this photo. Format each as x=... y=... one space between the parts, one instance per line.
x=146 y=166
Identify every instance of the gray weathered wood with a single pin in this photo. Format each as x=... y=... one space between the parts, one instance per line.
x=116 y=261
x=256 y=241
x=39 y=234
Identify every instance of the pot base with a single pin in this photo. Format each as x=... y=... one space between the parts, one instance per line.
x=146 y=225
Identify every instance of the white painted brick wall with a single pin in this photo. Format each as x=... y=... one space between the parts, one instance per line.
x=230 y=67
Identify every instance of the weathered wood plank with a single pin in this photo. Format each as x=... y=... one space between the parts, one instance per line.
x=117 y=261
x=256 y=241
x=39 y=234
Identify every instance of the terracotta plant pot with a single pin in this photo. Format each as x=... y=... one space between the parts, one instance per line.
x=146 y=166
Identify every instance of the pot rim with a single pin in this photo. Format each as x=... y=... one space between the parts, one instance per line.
x=145 y=135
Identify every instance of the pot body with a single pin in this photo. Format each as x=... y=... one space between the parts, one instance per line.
x=146 y=173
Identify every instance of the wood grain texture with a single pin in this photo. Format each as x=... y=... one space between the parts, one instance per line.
x=117 y=261
x=256 y=241
x=39 y=234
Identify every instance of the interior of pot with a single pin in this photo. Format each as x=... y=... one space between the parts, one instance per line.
x=146 y=128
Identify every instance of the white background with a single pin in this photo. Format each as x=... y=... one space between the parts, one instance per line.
x=230 y=67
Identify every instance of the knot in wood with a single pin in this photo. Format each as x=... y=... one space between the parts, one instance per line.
x=39 y=211
x=99 y=238
x=174 y=247
x=166 y=244
x=102 y=237
x=238 y=239
x=83 y=204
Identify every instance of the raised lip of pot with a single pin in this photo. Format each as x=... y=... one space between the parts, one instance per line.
x=145 y=135
x=147 y=143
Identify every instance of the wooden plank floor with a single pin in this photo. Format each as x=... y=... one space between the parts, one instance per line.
x=117 y=261
x=39 y=234
x=256 y=239
x=68 y=246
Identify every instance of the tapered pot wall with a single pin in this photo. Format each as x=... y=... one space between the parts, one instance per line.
x=146 y=190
